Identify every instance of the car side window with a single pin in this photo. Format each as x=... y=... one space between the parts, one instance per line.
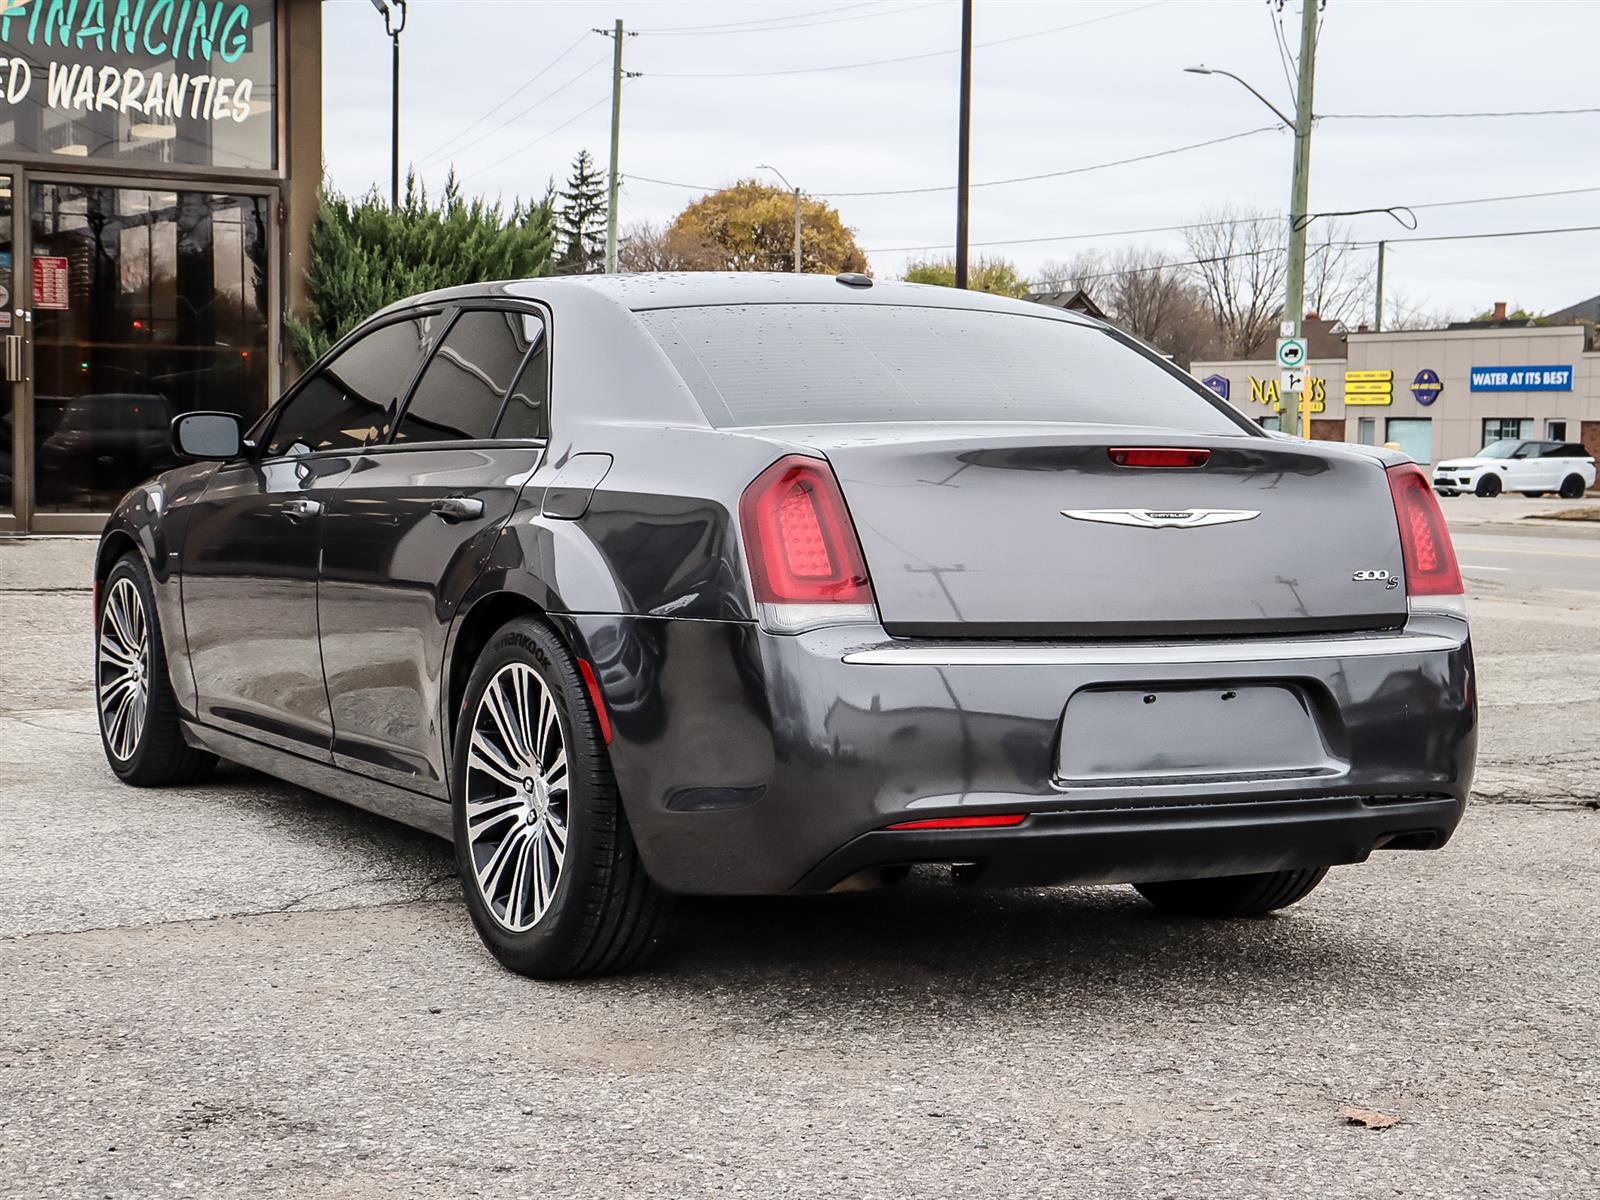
x=471 y=378
x=351 y=401
x=1526 y=450
x=527 y=411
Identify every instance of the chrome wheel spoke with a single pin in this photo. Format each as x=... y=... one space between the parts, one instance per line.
x=482 y=755
x=123 y=657
x=516 y=807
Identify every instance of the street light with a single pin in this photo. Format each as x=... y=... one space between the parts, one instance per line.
x=790 y=186
x=391 y=9
x=1299 y=187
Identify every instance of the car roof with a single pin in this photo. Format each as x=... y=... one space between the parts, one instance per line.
x=687 y=289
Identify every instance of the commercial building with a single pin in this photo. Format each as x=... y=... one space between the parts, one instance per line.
x=158 y=175
x=1438 y=393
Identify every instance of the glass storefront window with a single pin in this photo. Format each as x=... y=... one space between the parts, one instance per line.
x=8 y=413
x=1414 y=435
x=148 y=82
x=165 y=310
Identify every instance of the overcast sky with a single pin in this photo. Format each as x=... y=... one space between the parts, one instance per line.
x=711 y=103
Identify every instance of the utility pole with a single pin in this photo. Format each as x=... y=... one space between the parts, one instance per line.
x=797 y=231
x=1377 y=308
x=616 y=133
x=1295 y=301
x=964 y=147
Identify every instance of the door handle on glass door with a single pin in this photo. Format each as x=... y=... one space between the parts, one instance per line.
x=295 y=510
x=457 y=508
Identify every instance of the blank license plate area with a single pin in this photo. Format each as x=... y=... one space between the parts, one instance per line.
x=1125 y=735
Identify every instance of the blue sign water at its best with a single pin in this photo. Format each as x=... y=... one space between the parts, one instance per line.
x=1521 y=379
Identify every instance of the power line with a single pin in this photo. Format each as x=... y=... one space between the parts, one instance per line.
x=795 y=24
x=816 y=12
x=1074 y=237
x=1119 y=162
x=880 y=62
x=531 y=80
x=524 y=112
x=1451 y=116
x=523 y=149
x=1470 y=237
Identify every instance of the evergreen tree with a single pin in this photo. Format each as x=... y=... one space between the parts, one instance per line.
x=581 y=220
x=366 y=255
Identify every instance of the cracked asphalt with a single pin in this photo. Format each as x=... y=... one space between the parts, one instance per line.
x=244 y=990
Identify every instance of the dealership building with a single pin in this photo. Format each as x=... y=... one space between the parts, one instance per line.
x=1438 y=393
x=158 y=175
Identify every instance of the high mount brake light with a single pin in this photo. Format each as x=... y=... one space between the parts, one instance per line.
x=1429 y=556
x=806 y=565
x=1157 y=456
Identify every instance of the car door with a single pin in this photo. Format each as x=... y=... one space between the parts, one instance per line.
x=250 y=556
x=410 y=531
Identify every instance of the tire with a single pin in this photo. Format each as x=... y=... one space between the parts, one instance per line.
x=602 y=912
x=136 y=710
x=1573 y=487
x=1232 y=895
x=1488 y=486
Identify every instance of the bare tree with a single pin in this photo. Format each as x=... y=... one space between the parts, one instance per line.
x=1401 y=312
x=1339 y=277
x=1144 y=292
x=644 y=246
x=1240 y=263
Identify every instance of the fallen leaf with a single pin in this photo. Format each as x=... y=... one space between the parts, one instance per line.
x=1367 y=1118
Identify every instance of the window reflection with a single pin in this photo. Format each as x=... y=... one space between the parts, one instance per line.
x=165 y=311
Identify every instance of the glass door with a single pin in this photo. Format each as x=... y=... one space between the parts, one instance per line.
x=13 y=435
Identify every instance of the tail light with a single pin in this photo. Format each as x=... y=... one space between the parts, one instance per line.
x=988 y=821
x=1430 y=558
x=806 y=565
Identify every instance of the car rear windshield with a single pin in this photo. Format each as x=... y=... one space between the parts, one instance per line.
x=803 y=364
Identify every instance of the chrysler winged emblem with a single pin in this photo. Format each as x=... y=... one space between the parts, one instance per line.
x=1162 y=518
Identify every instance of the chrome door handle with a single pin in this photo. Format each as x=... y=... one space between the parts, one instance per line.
x=457 y=508
x=297 y=510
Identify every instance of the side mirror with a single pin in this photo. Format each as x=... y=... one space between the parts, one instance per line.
x=208 y=435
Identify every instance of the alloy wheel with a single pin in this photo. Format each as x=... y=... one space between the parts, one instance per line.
x=517 y=797
x=123 y=662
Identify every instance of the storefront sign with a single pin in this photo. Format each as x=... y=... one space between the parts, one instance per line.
x=1521 y=379
x=1270 y=392
x=1426 y=386
x=176 y=80
x=1369 y=387
x=1218 y=384
x=50 y=285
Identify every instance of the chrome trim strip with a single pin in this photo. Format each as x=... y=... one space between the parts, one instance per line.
x=947 y=655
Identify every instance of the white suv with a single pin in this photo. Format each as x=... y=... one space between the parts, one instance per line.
x=1513 y=465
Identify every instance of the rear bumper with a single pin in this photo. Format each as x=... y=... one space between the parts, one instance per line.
x=1167 y=842
x=754 y=763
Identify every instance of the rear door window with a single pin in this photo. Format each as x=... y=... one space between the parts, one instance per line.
x=470 y=378
x=352 y=400
x=782 y=364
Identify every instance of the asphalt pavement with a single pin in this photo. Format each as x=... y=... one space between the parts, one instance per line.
x=244 y=990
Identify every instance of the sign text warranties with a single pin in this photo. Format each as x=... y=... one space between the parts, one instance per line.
x=184 y=31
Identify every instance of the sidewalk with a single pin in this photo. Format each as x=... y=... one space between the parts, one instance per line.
x=1519 y=514
x=47 y=563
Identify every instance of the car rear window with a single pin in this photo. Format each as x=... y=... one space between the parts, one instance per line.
x=802 y=364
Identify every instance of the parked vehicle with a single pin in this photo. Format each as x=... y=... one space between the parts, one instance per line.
x=635 y=586
x=1517 y=465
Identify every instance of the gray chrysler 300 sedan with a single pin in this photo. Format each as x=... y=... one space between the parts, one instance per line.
x=756 y=584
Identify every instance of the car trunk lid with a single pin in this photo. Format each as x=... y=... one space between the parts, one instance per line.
x=1022 y=532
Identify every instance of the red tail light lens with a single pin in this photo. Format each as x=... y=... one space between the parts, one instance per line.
x=992 y=821
x=1430 y=558
x=1157 y=456
x=800 y=541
